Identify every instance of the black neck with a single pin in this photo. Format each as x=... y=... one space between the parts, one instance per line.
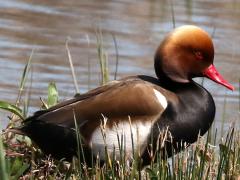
x=171 y=85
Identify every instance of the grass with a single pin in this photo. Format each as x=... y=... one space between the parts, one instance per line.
x=72 y=68
x=103 y=58
x=3 y=168
x=22 y=159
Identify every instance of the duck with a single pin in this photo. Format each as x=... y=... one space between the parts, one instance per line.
x=137 y=110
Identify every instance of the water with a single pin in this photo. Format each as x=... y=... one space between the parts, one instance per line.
x=138 y=27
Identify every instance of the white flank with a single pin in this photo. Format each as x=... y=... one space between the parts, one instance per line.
x=162 y=100
x=136 y=133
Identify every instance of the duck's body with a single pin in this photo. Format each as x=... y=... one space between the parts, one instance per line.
x=135 y=110
x=52 y=131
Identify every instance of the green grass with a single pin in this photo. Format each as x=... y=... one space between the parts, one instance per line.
x=208 y=158
x=3 y=168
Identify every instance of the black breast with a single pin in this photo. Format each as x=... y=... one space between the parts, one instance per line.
x=194 y=113
x=186 y=119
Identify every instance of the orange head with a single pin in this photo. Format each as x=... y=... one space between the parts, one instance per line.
x=185 y=53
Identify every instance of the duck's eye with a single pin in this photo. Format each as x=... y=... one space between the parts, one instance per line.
x=199 y=55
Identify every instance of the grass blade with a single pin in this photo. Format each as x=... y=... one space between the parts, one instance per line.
x=117 y=56
x=173 y=14
x=24 y=78
x=72 y=68
x=52 y=94
x=103 y=58
x=11 y=108
x=3 y=167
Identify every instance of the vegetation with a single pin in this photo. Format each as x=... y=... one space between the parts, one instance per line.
x=20 y=158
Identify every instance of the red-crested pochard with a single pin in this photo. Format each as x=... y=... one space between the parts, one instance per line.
x=172 y=101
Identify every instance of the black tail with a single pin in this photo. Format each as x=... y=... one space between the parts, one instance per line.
x=52 y=139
